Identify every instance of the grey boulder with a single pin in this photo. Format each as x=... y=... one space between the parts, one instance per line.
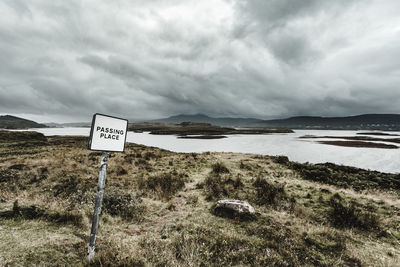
x=232 y=208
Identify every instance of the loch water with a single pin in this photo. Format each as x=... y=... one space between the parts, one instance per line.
x=290 y=145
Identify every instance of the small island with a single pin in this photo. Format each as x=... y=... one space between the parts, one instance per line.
x=198 y=130
x=356 y=141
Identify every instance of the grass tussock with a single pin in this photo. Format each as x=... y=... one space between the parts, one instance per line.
x=344 y=214
x=108 y=253
x=33 y=212
x=253 y=244
x=203 y=246
x=17 y=136
x=67 y=185
x=268 y=193
x=119 y=203
x=347 y=177
x=164 y=185
x=218 y=186
x=8 y=176
x=219 y=168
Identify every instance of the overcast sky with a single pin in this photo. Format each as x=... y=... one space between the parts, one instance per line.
x=65 y=60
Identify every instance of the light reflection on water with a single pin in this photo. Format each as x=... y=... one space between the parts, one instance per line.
x=301 y=150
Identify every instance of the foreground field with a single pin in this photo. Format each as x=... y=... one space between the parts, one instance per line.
x=158 y=208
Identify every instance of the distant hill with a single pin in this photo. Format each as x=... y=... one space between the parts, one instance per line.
x=68 y=124
x=360 y=122
x=12 y=122
x=239 y=122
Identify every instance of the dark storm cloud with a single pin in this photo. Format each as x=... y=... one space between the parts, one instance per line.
x=147 y=59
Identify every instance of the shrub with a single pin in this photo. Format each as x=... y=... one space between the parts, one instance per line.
x=219 y=168
x=11 y=180
x=94 y=156
x=164 y=185
x=348 y=215
x=281 y=160
x=214 y=186
x=245 y=166
x=345 y=176
x=8 y=175
x=129 y=158
x=19 y=167
x=68 y=185
x=217 y=186
x=192 y=200
x=119 y=203
x=121 y=170
x=268 y=193
x=150 y=155
x=143 y=164
x=34 y=212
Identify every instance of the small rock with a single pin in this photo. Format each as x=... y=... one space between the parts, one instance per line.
x=232 y=208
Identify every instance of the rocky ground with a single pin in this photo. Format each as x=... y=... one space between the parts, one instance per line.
x=159 y=208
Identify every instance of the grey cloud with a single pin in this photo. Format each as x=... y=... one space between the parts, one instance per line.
x=149 y=59
x=279 y=13
x=19 y=7
x=292 y=48
x=281 y=25
x=117 y=66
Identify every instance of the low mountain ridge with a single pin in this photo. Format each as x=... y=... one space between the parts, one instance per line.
x=12 y=122
x=224 y=121
x=359 y=122
x=365 y=121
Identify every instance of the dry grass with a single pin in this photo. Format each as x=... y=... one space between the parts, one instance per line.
x=157 y=211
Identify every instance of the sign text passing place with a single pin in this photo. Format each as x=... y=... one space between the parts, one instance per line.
x=108 y=133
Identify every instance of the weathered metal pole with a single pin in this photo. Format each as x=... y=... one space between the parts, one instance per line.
x=97 y=207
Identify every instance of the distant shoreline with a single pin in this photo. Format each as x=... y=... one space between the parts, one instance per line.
x=201 y=130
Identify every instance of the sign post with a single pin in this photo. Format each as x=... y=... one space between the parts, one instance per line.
x=99 y=201
x=107 y=134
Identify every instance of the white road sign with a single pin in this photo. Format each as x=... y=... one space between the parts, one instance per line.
x=108 y=133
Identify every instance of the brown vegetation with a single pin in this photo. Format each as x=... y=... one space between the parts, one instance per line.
x=358 y=144
x=197 y=130
x=357 y=141
x=157 y=209
x=378 y=133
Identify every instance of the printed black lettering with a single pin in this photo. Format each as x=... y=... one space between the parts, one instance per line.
x=98 y=128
